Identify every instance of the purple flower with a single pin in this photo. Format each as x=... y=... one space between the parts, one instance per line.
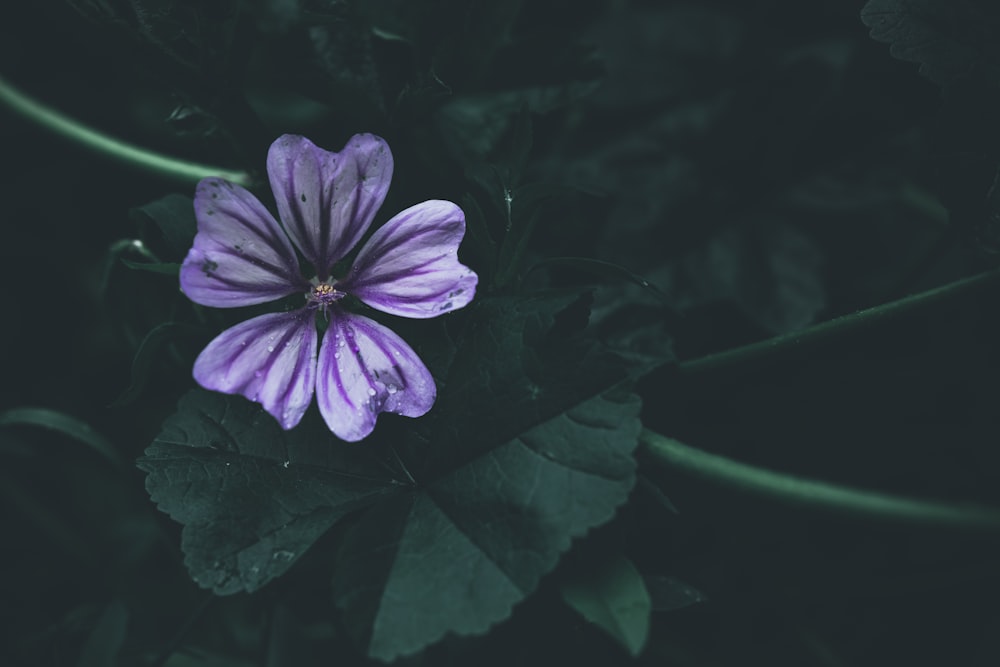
x=326 y=201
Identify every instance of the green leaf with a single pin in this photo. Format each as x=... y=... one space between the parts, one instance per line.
x=62 y=423
x=173 y=216
x=612 y=596
x=529 y=446
x=251 y=496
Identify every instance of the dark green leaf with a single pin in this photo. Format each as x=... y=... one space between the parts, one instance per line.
x=530 y=445
x=612 y=596
x=251 y=496
x=173 y=216
x=69 y=426
x=951 y=39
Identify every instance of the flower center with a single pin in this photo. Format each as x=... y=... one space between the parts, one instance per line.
x=323 y=294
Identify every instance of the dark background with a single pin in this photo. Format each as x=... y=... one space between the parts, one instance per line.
x=766 y=164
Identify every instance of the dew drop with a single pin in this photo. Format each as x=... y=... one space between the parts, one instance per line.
x=391 y=388
x=270 y=348
x=371 y=391
x=336 y=355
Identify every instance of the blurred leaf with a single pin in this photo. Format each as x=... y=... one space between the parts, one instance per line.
x=530 y=445
x=274 y=15
x=142 y=363
x=773 y=272
x=173 y=216
x=479 y=241
x=481 y=30
x=603 y=269
x=201 y=657
x=950 y=39
x=612 y=595
x=116 y=253
x=513 y=211
x=62 y=423
x=163 y=268
x=473 y=124
x=670 y=593
x=328 y=57
x=104 y=644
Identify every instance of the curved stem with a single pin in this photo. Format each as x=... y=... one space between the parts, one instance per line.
x=71 y=129
x=833 y=328
x=673 y=455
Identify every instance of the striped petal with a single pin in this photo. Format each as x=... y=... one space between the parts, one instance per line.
x=270 y=359
x=410 y=267
x=240 y=255
x=328 y=200
x=365 y=369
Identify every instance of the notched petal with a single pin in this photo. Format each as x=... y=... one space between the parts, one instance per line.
x=240 y=255
x=328 y=200
x=410 y=267
x=270 y=359
x=365 y=369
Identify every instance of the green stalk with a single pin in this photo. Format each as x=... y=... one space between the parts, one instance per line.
x=831 y=329
x=690 y=461
x=67 y=127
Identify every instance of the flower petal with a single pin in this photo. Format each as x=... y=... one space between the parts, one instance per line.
x=365 y=369
x=327 y=200
x=409 y=266
x=269 y=359
x=240 y=255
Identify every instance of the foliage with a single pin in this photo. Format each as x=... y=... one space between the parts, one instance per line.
x=668 y=205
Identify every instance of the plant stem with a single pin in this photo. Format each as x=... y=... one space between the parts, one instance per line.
x=831 y=329
x=71 y=129
x=673 y=455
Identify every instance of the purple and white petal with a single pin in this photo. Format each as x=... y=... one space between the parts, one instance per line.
x=270 y=359
x=240 y=255
x=410 y=267
x=327 y=200
x=365 y=369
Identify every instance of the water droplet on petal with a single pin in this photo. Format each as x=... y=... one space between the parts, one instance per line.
x=371 y=391
x=270 y=348
x=391 y=388
x=336 y=355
